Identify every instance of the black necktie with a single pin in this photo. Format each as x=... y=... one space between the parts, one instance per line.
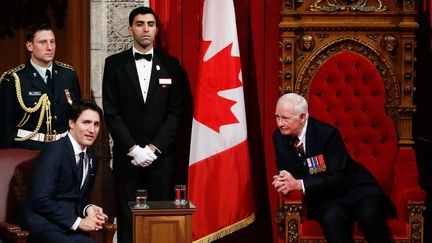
x=50 y=84
x=138 y=56
x=80 y=167
x=298 y=145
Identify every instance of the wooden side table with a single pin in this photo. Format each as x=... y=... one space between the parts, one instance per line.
x=162 y=221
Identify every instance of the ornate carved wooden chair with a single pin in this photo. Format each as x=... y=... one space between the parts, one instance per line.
x=15 y=176
x=353 y=61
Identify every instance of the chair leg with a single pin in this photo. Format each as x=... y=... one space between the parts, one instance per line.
x=292 y=223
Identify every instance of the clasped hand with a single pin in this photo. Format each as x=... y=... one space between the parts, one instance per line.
x=142 y=156
x=94 y=220
x=284 y=182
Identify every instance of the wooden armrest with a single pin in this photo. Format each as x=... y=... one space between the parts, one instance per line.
x=406 y=185
x=108 y=232
x=293 y=197
x=13 y=232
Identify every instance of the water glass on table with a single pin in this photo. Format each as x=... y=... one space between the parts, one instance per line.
x=141 y=198
x=180 y=195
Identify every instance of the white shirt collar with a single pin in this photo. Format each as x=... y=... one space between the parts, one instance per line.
x=134 y=50
x=76 y=147
x=41 y=70
x=302 y=135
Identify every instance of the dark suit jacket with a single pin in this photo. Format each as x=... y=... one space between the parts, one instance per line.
x=32 y=88
x=55 y=199
x=344 y=180
x=131 y=121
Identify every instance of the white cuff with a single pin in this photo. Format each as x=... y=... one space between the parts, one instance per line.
x=303 y=188
x=84 y=211
x=76 y=224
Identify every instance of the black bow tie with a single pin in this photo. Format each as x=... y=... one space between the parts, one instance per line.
x=138 y=56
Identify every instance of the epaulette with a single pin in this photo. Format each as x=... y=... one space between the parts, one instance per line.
x=13 y=70
x=61 y=64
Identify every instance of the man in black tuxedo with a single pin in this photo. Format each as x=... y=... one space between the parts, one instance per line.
x=312 y=157
x=35 y=97
x=57 y=207
x=143 y=92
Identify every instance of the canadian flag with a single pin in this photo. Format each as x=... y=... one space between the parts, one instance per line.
x=220 y=184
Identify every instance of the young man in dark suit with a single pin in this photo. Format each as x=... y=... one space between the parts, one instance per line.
x=338 y=191
x=143 y=93
x=57 y=207
x=36 y=96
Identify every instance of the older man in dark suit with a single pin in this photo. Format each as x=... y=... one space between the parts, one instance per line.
x=312 y=157
x=57 y=208
x=143 y=93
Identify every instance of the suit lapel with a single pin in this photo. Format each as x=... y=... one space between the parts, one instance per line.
x=70 y=157
x=91 y=173
x=56 y=79
x=158 y=72
x=310 y=142
x=154 y=78
x=132 y=73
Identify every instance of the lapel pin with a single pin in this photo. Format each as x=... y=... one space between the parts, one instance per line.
x=157 y=67
x=34 y=74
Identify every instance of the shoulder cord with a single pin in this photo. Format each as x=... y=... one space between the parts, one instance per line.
x=44 y=104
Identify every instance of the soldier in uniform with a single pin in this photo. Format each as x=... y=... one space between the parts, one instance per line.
x=36 y=96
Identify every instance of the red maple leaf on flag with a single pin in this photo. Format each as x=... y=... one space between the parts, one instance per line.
x=220 y=72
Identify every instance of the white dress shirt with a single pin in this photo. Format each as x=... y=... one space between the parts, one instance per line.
x=144 y=68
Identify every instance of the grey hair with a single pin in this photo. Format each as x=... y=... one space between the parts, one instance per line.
x=298 y=102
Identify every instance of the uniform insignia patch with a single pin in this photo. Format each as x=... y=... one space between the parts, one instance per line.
x=61 y=64
x=10 y=71
x=68 y=96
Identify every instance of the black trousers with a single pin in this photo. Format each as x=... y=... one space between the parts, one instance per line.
x=337 y=220
x=159 y=188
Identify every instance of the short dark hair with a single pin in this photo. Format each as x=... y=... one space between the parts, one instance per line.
x=81 y=105
x=37 y=25
x=141 y=10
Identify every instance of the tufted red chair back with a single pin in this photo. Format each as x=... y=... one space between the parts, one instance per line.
x=15 y=177
x=347 y=91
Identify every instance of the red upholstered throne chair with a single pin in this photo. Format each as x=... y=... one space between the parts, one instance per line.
x=15 y=177
x=347 y=92
x=354 y=63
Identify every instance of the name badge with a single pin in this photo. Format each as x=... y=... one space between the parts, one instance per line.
x=34 y=93
x=163 y=81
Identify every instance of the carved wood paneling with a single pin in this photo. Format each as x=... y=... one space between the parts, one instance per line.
x=381 y=30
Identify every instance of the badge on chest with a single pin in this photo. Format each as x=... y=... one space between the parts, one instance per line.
x=316 y=164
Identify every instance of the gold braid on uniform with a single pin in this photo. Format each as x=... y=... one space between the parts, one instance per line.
x=43 y=104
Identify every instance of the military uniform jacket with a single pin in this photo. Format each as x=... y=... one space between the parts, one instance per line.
x=33 y=86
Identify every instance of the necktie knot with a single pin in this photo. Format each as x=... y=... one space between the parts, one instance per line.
x=48 y=74
x=297 y=142
x=139 y=56
x=298 y=145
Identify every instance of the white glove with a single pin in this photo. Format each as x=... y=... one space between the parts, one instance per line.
x=142 y=156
